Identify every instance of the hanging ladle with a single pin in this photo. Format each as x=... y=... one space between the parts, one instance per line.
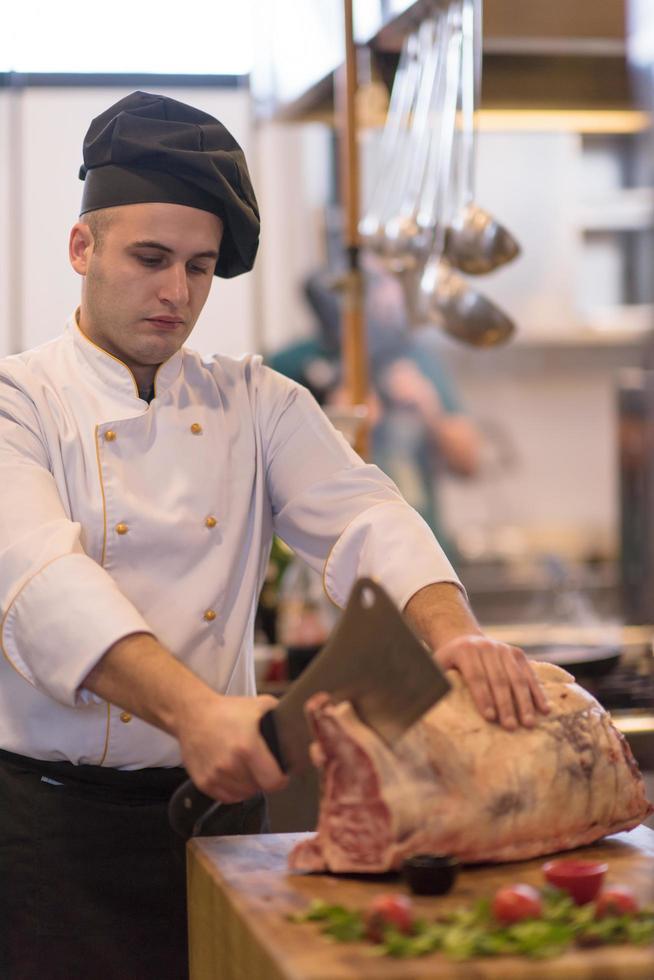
x=461 y=311
x=391 y=160
x=400 y=229
x=475 y=242
x=445 y=296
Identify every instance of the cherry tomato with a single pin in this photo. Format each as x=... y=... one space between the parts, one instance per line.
x=389 y=910
x=617 y=900
x=515 y=903
x=582 y=880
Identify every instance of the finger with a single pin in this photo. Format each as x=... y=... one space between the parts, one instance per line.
x=229 y=780
x=223 y=795
x=266 y=702
x=264 y=768
x=518 y=671
x=500 y=684
x=227 y=789
x=469 y=664
x=317 y=755
x=537 y=692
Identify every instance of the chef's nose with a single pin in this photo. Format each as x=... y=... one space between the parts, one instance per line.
x=173 y=288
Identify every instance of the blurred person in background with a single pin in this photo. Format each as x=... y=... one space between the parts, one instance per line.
x=419 y=430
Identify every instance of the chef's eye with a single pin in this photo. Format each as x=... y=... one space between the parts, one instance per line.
x=149 y=260
x=198 y=270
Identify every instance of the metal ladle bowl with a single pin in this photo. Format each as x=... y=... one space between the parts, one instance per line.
x=476 y=243
x=371 y=233
x=407 y=244
x=459 y=310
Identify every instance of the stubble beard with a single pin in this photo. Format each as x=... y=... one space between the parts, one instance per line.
x=111 y=328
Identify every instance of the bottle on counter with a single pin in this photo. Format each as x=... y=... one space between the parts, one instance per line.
x=305 y=616
x=265 y=625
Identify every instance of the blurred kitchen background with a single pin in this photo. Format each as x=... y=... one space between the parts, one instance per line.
x=554 y=534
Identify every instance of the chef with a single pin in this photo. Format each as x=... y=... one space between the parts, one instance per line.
x=141 y=485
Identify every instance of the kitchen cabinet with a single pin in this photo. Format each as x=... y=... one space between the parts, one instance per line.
x=554 y=54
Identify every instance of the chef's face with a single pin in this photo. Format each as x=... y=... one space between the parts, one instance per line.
x=147 y=274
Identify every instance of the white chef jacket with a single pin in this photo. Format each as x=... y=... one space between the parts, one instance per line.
x=120 y=516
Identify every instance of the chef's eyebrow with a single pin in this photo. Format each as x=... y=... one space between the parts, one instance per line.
x=210 y=254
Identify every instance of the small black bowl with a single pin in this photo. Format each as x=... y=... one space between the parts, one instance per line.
x=430 y=874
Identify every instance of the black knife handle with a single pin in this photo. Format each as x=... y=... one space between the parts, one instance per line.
x=188 y=806
x=268 y=729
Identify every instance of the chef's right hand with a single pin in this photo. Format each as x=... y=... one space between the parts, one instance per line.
x=223 y=751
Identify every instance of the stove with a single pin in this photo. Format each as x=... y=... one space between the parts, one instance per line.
x=627 y=691
x=629 y=685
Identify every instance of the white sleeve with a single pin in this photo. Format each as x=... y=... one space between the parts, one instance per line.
x=60 y=610
x=344 y=517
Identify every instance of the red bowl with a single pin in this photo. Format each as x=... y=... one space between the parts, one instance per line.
x=582 y=880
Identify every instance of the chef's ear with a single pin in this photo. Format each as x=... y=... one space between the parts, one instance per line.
x=80 y=247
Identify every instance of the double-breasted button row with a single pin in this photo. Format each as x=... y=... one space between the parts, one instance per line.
x=111 y=436
x=123 y=528
x=125 y=717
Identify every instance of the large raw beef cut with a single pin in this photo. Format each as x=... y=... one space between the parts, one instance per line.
x=457 y=784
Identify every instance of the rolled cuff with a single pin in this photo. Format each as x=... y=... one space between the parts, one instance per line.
x=391 y=543
x=61 y=623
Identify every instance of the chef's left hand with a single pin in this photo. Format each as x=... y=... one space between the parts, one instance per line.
x=499 y=676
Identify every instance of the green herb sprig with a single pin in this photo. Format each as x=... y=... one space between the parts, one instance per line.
x=472 y=931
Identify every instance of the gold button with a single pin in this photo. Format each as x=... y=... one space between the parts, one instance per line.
x=210 y=615
x=210 y=521
x=122 y=528
x=196 y=428
x=109 y=435
x=125 y=716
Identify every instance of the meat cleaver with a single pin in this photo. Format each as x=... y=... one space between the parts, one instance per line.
x=371 y=659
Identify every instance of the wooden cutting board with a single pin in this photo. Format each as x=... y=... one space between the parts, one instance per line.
x=240 y=895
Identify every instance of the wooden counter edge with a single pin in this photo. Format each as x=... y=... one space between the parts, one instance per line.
x=217 y=929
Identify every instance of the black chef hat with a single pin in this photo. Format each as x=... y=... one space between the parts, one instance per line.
x=149 y=148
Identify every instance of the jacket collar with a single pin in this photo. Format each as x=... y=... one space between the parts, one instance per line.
x=114 y=373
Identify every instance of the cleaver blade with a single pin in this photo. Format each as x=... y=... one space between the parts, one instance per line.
x=373 y=660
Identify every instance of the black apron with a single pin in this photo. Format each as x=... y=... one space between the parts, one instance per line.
x=92 y=877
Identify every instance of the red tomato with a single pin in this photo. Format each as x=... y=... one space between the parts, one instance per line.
x=515 y=903
x=617 y=900
x=389 y=910
x=582 y=880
